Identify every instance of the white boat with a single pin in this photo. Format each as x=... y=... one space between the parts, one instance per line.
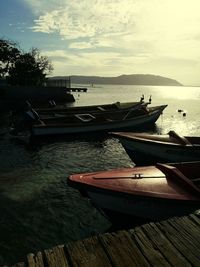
x=90 y=123
x=145 y=149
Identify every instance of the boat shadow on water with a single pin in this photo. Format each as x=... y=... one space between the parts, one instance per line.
x=121 y=221
x=95 y=136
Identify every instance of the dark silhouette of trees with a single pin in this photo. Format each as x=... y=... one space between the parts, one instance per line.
x=9 y=53
x=21 y=68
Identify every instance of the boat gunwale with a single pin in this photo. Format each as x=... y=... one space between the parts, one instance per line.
x=139 y=194
x=170 y=172
x=115 y=105
x=155 y=142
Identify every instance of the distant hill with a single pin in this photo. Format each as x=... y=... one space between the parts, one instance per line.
x=133 y=79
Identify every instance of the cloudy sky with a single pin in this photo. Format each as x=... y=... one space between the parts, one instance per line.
x=109 y=37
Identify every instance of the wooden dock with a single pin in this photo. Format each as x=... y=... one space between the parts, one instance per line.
x=174 y=242
x=78 y=89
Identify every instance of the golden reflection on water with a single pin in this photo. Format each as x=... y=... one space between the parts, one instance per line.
x=180 y=92
x=182 y=127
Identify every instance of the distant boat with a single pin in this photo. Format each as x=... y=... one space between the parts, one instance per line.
x=106 y=109
x=97 y=122
x=153 y=192
x=145 y=149
x=90 y=108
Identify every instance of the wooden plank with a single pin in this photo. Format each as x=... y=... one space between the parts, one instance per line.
x=35 y=260
x=150 y=252
x=19 y=264
x=195 y=218
x=122 y=250
x=189 y=229
x=56 y=257
x=163 y=245
x=175 y=237
x=87 y=253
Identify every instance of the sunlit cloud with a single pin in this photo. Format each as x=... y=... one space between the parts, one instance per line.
x=129 y=36
x=112 y=62
x=162 y=24
x=103 y=17
x=81 y=45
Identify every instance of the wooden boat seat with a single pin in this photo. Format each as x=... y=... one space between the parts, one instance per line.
x=85 y=117
x=175 y=173
x=181 y=139
x=101 y=108
x=196 y=180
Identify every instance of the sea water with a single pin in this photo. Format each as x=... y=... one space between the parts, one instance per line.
x=38 y=209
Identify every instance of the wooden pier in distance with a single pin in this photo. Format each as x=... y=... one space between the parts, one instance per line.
x=174 y=242
x=77 y=89
x=64 y=82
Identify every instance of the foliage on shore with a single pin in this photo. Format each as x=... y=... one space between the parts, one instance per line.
x=22 y=68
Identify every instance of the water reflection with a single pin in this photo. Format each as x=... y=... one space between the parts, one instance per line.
x=179 y=92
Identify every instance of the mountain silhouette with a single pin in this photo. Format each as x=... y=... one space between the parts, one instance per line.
x=133 y=79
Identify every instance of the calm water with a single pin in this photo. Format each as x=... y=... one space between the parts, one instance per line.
x=38 y=209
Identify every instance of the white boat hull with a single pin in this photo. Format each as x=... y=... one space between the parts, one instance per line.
x=143 y=207
x=145 y=153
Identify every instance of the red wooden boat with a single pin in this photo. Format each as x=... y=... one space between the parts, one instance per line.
x=154 y=192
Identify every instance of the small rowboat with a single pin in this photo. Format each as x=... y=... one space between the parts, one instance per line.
x=153 y=192
x=84 y=123
x=100 y=111
x=90 y=109
x=146 y=149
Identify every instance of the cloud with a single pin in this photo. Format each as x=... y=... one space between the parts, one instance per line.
x=80 y=45
x=128 y=36
x=39 y=7
x=101 y=63
x=115 y=63
x=107 y=23
x=81 y=19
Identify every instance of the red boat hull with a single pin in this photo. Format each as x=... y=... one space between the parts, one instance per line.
x=148 y=192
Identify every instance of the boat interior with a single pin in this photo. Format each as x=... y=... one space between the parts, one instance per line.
x=83 y=118
x=172 y=137
x=187 y=173
x=92 y=108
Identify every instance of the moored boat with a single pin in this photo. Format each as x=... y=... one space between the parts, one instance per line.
x=100 y=111
x=90 y=108
x=95 y=122
x=145 y=149
x=153 y=192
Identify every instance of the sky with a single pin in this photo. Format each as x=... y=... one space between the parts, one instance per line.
x=109 y=37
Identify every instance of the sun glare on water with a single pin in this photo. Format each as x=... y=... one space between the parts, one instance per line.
x=180 y=92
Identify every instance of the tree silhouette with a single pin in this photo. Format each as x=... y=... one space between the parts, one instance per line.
x=20 y=68
x=9 y=53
